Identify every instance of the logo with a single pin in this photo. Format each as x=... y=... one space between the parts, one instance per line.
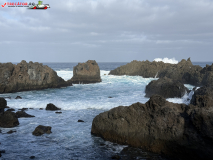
x=30 y=5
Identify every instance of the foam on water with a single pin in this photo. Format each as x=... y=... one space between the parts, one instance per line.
x=166 y=60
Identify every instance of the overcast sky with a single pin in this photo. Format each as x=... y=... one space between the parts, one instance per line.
x=107 y=31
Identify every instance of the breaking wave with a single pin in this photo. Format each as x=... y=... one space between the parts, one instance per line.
x=166 y=60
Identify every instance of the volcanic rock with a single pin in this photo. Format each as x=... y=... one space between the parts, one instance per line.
x=3 y=104
x=166 y=88
x=80 y=120
x=11 y=109
x=176 y=130
x=18 y=97
x=28 y=76
x=58 y=112
x=22 y=113
x=52 y=107
x=184 y=71
x=39 y=130
x=8 y=119
x=85 y=73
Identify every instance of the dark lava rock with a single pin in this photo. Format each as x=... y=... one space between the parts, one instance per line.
x=32 y=157
x=18 y=97
x=58 y=112
x=3 y=104
x=11 y=131
x=116 y=157
x=176 y=130
x=85 y=73
x=8 y=119
x=39 y=130
x=21 y=114
x=40 y=108
x=184 y=71
x=52 y=107
x=28 y=76
x=166 y=88
x=11 y=109
x=80 y=120
x=2 y=151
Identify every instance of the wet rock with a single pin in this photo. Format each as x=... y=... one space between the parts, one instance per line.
x=2 y=151
x=80 y=120
x=8 y=119
x=31 y=108
x=184 y=71
x=85 y=73
x=52 y=107
x=11 y=109
x=166 y=88
x=40 y=130
x=40 y=108
x=176 y=130
x=116 y=157
x=3 y=104
x=11 y=131
x=32 y=157
x=58 y=112
x=109 y=97
x=23 y=114
x=28 y=76
x=18 y=97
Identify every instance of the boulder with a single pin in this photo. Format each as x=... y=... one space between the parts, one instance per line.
x=166 y=88
x=52 y=107
x=8 y=119
x=85 y=73
x=28 y=76
x=39 y=130
x=18 y=97
x=176 y=130
x=3 y=105
x=23 y=114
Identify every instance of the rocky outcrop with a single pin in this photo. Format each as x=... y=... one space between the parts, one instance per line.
x=166 y=88
x=145 y=69
x=52 y=107
x=39 y=130
x=176 y=130
x=28 y=76
x=85 y=73
x=184 y=71
x=8 y=119
x=23 y=114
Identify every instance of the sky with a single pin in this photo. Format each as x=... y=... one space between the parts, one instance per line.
x=107 y=31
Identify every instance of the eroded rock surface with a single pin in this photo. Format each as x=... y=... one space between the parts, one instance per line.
x=28 y=76
x=8 y=119
x=39 y=130
x=166 y=88
x=177 y=130
x=85 y=73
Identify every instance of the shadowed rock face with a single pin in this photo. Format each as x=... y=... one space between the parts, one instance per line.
x=160 y=126
x=28 y=76
x=8 y=119
x=166 y=88
x=39 y=130
x=88 y=72
x=184 y=71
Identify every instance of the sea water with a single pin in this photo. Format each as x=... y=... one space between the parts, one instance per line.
x=70 y=139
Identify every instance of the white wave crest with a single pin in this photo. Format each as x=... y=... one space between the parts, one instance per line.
x=166 y=60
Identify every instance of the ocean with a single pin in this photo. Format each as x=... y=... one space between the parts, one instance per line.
x=70 y=139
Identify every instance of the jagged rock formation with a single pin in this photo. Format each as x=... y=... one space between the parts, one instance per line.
x=52 y=107
x=177 y=130
x=166 y=88
x=28 y=76
x=7 y=119
x=85 y=73
x=184 y=71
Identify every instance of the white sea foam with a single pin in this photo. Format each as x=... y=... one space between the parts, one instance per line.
x=166 y=60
